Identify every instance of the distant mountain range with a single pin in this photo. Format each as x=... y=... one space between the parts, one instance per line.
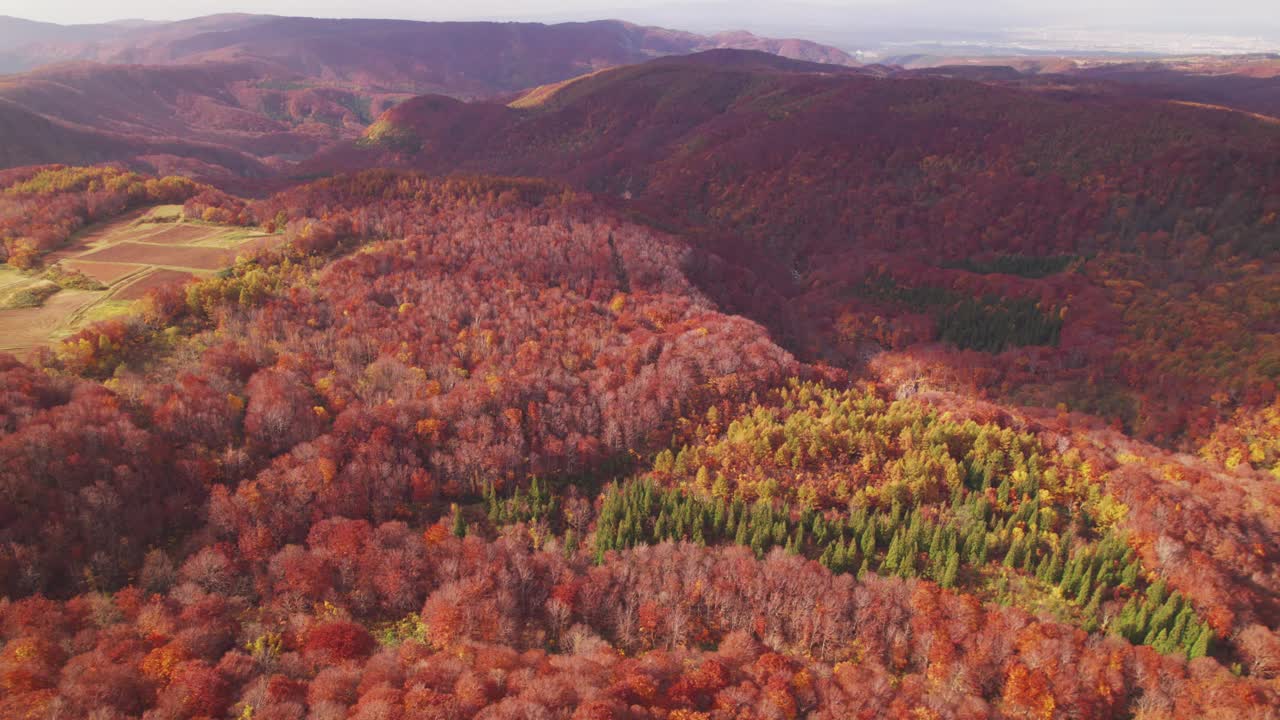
x=474 y=58
x=240 y=99
x=230 y=97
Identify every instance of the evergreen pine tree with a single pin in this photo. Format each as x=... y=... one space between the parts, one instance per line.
x=1086 y=587
x=1028 y=554
x=1071 y=578
x=1129 y=577
x=1054 y=575
x=1140 y=623
x=1126 y=622
x=1013 y=557
x=1152 y=634
x=951 y=571
x=868 y=541
x=907 y=565
x=1163 y=618
x=760 y=538
x=1202 y=643
x=936 y=546
x=1178 y=633
x=1042 y=568
x=491 y=503
x=915 y=530
x=1157 y=594
x=893 y=557
x=1162 y=644
x=459 y=524
x=839 y=557
x=1095 y=601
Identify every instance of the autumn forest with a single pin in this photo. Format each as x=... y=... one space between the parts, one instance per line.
x=723 y=385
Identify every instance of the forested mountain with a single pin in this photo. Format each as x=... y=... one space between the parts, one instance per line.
x=725 y=385
x=231 y=97
x=850 y=212
x=465 y=58
x=230 y=122
x=409 y=462
x=18 y=33
x=1250 y=83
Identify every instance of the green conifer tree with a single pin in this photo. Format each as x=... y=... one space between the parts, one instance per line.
x=1129 y=577
x=893 y=557
x=951 y=571
x=827 y=559
x=1013 y=557
x=839 y=557
x=1202 y=644
x=907 y=565
x=459 y=523
x=1086 y=587
x=868 y=541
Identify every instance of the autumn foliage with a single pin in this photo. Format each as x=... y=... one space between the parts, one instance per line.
x=41 y=207
x=493 y=447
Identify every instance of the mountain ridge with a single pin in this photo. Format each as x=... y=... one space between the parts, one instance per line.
x=760 y=168
x=286 y=41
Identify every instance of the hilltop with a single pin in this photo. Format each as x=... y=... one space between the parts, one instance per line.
x=826 y=200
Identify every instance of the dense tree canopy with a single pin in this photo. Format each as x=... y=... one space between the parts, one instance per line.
x=490 y=447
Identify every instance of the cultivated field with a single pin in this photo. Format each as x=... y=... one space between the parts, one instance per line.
x=128 y=256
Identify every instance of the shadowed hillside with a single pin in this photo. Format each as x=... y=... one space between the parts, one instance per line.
x=824 y=201
x=275 y=90
x=467 y=59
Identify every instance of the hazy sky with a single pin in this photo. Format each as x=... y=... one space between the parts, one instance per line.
x=828 y=18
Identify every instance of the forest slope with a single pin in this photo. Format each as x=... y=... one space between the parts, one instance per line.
x=1250 y=83
x=236 y=98
x=467 y=59
x=467 y=445
x=852 y=213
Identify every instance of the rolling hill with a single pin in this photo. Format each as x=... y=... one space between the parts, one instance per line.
x=719 y=385
x=804 y=188
x=236 y=97
x=1250 y=83
x=454 y=430
x=465 y=59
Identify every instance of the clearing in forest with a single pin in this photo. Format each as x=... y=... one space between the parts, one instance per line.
x=124 y=257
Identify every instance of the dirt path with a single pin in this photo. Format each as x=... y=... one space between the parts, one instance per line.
x=25 y=329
